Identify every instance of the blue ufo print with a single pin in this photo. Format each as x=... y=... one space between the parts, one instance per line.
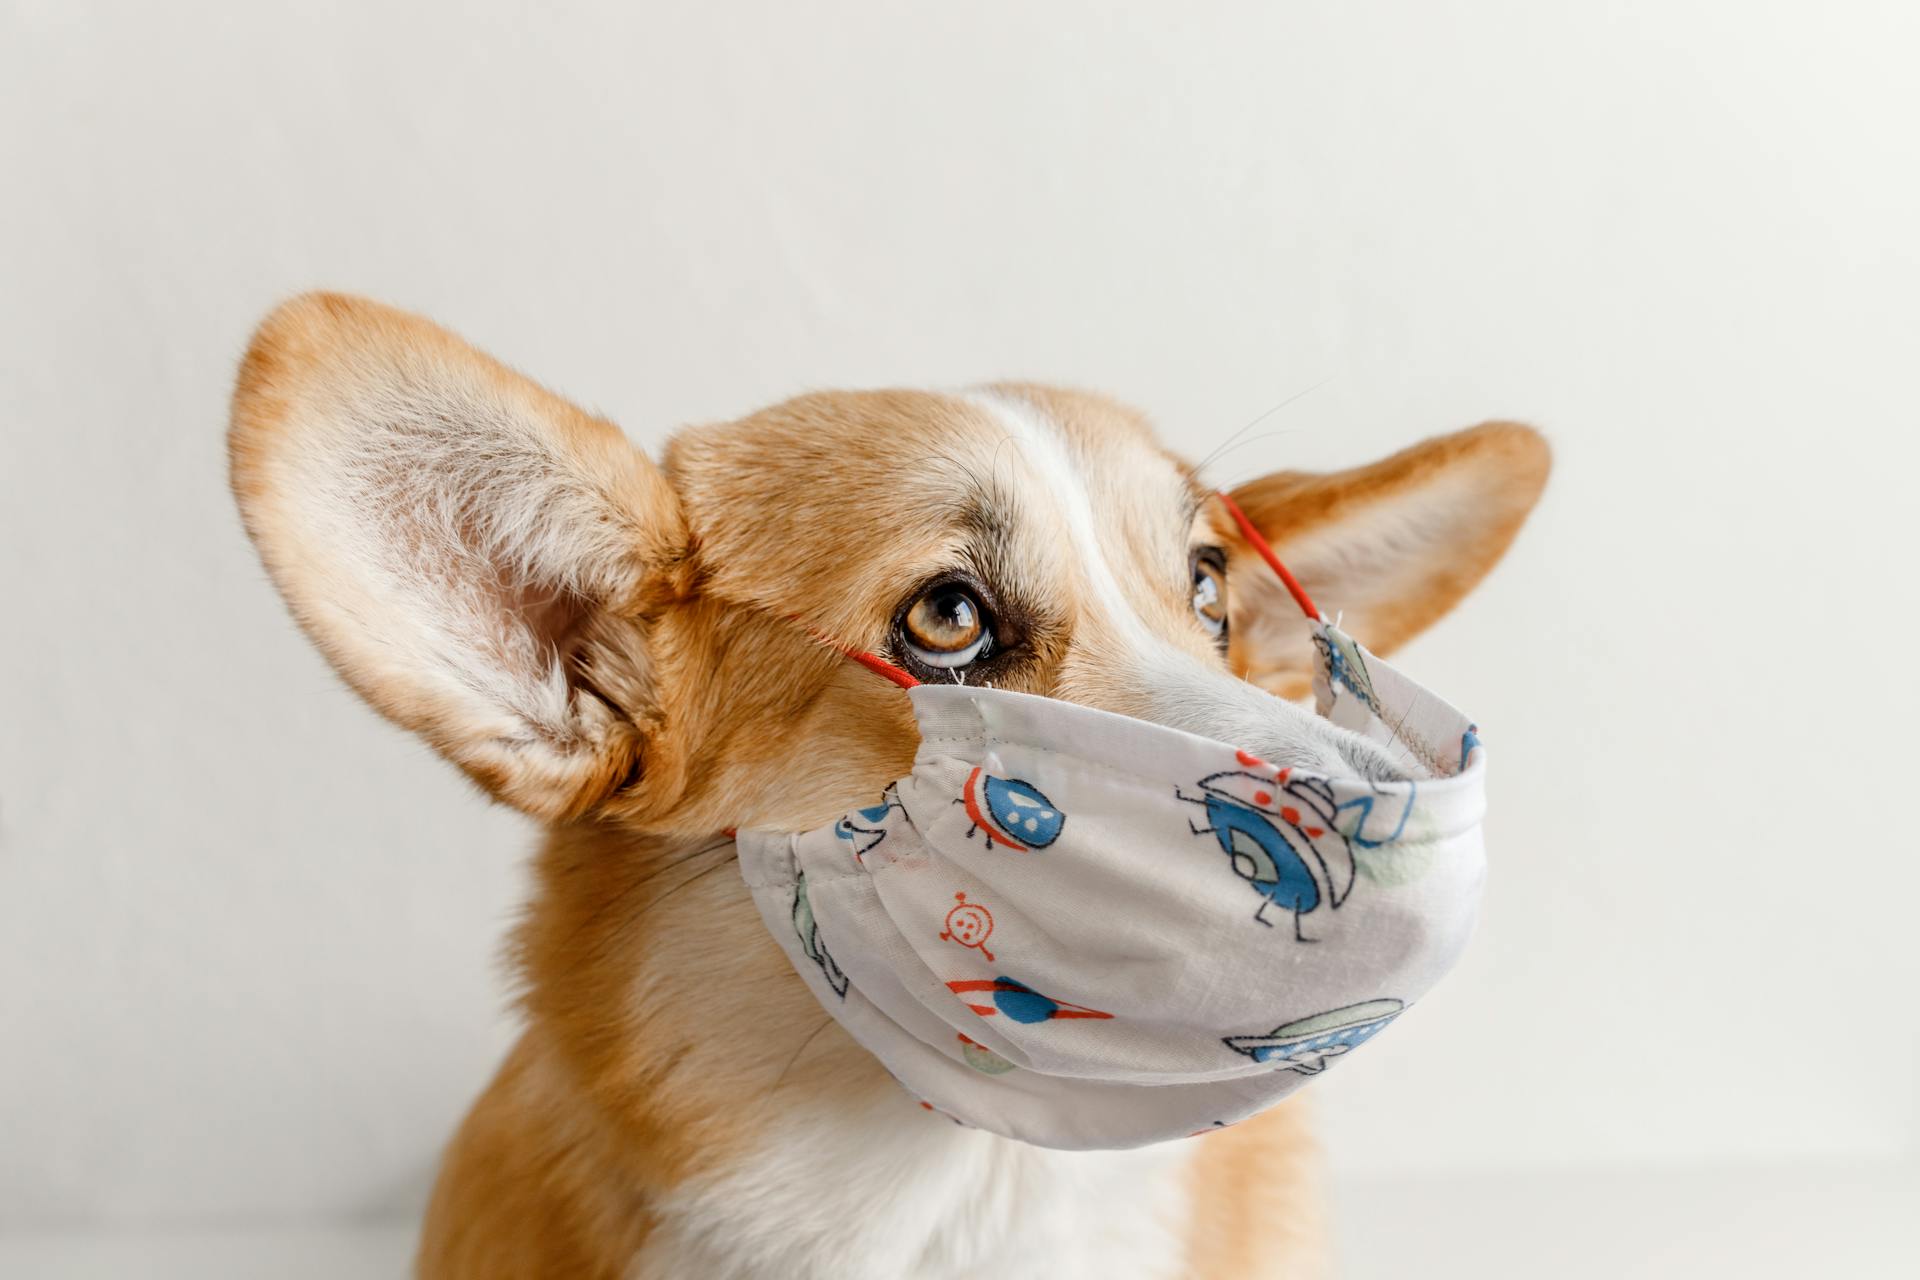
x=1307 y=1044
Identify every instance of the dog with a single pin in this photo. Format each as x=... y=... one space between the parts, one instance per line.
x=629 y=651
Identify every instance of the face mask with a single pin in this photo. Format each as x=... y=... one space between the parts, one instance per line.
x=1088 y=931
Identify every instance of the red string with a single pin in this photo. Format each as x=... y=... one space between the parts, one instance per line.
x=879 y=666
x=1298 y=592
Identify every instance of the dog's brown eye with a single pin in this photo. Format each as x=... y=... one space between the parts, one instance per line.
x=946 y=627
x=1210 y=594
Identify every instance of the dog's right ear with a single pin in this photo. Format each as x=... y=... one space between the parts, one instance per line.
x=451 y=535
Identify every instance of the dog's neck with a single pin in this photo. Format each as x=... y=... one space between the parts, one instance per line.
x=745 y=1133
x=861 y=1183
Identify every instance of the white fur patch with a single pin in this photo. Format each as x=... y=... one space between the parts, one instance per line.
x=890 y=1191
x=1171 y=685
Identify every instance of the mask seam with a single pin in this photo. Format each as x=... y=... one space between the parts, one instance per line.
x=987 y=742
x=1442 y=779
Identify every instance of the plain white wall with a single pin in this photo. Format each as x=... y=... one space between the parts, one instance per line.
x=248 y=933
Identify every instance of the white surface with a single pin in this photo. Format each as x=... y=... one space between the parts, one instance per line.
x=1755 y=1223
x=1758 y=1223
x=349 y=1251
x=248 y=933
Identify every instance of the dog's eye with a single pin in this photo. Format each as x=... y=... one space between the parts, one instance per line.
x=946 y=627
x=1210 y=591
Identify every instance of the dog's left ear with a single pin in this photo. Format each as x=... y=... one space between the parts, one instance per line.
x=1388 y=548
x=476 y=556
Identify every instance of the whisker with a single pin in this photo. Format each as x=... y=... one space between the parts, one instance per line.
x=651 y=903
x=599 y=913
x=811 y=1035
x=1194 y=470
x=634 y=912
x=682 y=861
x=1241 y=444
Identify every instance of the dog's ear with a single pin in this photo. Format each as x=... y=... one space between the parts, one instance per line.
x=1388 y=547
x=453 y=536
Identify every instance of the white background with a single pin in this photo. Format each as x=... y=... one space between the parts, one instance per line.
x=248 y=933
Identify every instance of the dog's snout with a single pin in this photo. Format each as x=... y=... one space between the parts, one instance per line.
x=1296 y=737
x=1280 y=732
x=1370 y=760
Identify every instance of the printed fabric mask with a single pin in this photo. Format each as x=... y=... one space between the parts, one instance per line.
x=1084 y=930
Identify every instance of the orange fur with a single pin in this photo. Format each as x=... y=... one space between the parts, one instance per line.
x=610 y=646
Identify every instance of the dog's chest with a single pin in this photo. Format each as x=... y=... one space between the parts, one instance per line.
x=891 y=1192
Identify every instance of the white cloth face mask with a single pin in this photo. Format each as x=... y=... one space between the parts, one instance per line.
x=1089 y=931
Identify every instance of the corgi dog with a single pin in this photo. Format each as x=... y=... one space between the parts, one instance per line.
x=627 y=649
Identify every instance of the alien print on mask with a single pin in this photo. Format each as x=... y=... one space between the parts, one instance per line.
x=1291 y=838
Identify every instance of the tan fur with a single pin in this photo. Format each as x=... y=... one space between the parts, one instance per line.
x=612 y=646
x=490 y=485
x=1494 y=474
x=1237 y=1176
x=528 y=1186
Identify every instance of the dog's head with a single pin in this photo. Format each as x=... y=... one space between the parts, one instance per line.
x=591 y=634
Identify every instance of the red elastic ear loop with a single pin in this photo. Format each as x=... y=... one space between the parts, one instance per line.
x=879 y=666
x=1260 y=544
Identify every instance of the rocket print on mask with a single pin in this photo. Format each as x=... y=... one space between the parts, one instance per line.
x=1010 y=812
x=1306 y=1045
x=1289 y=837
x=809 y=932
x=1017 y=1000
x=861 y=829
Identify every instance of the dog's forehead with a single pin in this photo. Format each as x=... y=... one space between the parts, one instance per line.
x=891 y=484
x=1083 y=441
x=1102 y=501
